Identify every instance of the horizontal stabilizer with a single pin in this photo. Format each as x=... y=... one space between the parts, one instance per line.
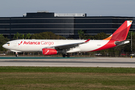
x=122 y=42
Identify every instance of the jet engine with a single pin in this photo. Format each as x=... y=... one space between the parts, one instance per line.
x=49 y=51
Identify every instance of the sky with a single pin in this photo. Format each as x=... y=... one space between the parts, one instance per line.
x=14 y=8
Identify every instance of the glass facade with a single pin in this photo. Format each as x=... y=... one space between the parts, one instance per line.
x=94 y=25
x=67 y=26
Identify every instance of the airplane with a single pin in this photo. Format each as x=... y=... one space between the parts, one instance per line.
x=64 y=47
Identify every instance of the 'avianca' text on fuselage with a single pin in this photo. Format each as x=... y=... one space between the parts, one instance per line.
x=51 y=47
x=36 y=43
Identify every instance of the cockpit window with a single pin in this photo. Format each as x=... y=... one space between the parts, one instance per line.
x=7 y=43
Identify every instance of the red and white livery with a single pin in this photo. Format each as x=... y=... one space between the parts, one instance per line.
x=51 y=47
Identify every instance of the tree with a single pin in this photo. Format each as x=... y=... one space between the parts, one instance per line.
x=129 y=34
x=46 y=35
x=21 y=36
x=17 y=35
x=27 y=36
x=101 y=35
x=81 y=34
x=3 y=40
x=128 y=47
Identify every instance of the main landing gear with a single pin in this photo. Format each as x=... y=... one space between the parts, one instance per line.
x=16 y=54
x=64 y=55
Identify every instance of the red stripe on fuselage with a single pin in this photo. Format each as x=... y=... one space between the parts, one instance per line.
x=110 y=44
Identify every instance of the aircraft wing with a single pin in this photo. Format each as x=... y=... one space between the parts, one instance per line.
x=67 y=46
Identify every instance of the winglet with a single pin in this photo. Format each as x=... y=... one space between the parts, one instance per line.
x=87 y=40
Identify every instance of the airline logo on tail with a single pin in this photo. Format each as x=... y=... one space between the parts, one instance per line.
x=121 y=33
x=118 y=37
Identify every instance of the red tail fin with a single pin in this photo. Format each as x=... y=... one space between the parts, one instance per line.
x=121 y=33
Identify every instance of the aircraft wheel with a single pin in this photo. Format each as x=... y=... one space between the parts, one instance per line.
x=63 y=55
x=16 y=54
x=68 y=55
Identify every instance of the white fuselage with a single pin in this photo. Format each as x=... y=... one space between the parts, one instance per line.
x=23 y=45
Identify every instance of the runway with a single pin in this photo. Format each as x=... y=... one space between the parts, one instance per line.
x=68 y=62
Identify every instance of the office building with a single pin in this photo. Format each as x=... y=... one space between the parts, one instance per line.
x=64 y=24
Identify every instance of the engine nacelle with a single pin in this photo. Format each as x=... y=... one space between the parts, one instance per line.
x=49 y=51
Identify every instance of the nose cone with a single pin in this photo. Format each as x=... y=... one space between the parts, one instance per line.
x=4 y=46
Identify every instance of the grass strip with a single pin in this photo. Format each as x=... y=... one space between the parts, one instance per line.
x=68 y=69
x=66 y=78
